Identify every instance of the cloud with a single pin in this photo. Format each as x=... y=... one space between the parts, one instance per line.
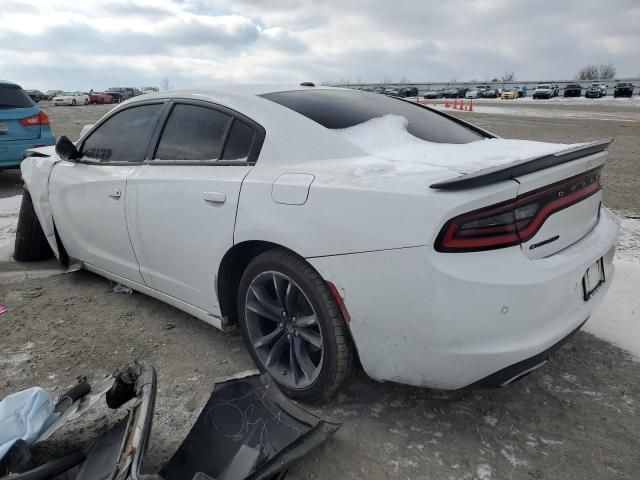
x=95 y=44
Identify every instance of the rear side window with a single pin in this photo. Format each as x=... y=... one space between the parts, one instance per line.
x=343 y=108
x=124 y=136
x=239 y=142
x=193 y=133
x=12 y=96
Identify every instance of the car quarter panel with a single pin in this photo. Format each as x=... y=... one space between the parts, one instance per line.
x=410 y=325
x=354 y=205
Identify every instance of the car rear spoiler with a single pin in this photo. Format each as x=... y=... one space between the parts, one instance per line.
x=518 y=168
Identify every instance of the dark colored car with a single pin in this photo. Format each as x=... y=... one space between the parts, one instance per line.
x=489 y=93
x=623 y=89
x=37 y=95
x=433 y=94
x=125 y=92
x=455 y=93
x=573 y=90
x=408 y=92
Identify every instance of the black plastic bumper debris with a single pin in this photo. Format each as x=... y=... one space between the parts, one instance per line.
x=247 y=430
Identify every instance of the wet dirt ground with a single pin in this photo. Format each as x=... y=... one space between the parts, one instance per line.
x=575 y=418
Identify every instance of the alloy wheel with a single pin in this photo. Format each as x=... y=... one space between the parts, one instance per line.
x=283 y=329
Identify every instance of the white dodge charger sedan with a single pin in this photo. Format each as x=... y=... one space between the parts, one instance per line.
x=334 y=227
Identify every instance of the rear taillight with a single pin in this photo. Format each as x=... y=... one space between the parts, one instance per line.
x=39 y=118
x=515 y=221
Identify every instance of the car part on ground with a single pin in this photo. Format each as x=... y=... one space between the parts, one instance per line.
x=247 y=430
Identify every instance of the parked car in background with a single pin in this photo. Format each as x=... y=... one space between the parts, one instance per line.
x=481 y=88
x=473 y=93
x=544 y=90
x=596 y=90
x=150 y=90
x=489 y=93
x=623 y=89
x=100 y=97
x=53 y=93
x=125 y=92
x=216 y=205
x=37 y=95
x=509 y=94
x=22 y=125
x=71 y=98
x=455 y=93
x=409 y=91
x=522 y=91
x=573 y=90
x=433 y=94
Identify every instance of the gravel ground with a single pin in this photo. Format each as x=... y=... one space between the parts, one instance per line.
x=576 y=418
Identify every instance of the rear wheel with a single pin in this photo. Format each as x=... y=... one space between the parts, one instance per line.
x=293 y=327
x=86 y=101
x=73 y=102
x=31 y=244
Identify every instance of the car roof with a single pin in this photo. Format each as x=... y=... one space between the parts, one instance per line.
x=288 y=133
x=7 y=82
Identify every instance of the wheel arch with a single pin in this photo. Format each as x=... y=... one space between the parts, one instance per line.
x=230 y=272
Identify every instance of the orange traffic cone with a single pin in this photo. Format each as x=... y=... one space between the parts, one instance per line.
x=446 y=103
x=455 y=103
x=470 y=105
x=461 y=104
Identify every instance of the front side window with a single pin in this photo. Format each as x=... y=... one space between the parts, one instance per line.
x=193 y=133
x=124 y=136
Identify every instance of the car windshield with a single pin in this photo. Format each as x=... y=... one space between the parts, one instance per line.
x=12 y=96
x=67 y=94
x=336 y=109
x=543 y=86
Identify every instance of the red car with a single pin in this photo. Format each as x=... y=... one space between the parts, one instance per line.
x=98 y=97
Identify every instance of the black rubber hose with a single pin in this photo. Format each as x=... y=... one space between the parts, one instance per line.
x=52 y=468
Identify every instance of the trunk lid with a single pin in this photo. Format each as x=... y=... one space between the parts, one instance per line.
x=12 y=129
x=573 y=193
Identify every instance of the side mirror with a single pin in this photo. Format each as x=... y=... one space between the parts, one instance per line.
x=85 y=129
x=66 y=149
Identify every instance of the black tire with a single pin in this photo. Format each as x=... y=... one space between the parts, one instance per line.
x=31 y=245
x=339 y=358
x=73 y=102
x=86 y=102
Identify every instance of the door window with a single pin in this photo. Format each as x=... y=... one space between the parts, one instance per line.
x=239 y=142
x=193 y=133
x=124 y=136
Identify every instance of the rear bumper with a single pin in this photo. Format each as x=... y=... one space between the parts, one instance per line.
x=446 y=320
x=11 y=152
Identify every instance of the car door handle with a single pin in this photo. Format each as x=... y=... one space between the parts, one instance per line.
x=114 y=192
x=214 y=197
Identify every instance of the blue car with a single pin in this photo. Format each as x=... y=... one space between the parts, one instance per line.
x=22 y=125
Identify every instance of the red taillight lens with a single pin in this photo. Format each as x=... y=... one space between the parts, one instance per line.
x=515 y=221
x=39 y=118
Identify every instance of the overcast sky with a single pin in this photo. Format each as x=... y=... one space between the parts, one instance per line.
x=83 y=44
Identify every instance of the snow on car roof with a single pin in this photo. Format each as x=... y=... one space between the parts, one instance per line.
x=387 y=138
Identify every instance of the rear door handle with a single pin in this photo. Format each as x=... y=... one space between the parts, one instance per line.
x=214 y=197
x=114 y=192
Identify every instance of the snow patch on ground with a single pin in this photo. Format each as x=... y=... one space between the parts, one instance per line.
x=483 y=472
x=387 y=137
x=9 y=208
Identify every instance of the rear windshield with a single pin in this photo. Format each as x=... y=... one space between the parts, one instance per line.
x=12 y=96
x=336 y=109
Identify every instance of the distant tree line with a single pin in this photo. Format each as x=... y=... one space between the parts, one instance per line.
x=606 y=71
